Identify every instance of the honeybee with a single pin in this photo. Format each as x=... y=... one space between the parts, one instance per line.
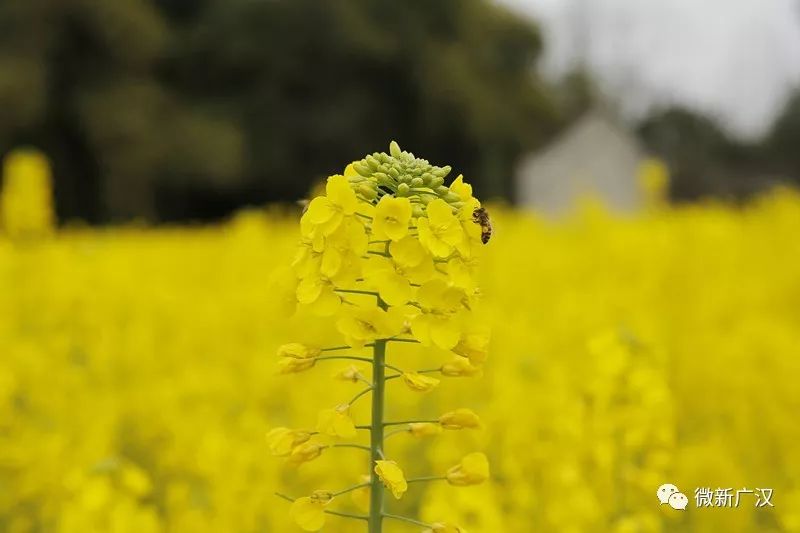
x=481 y=217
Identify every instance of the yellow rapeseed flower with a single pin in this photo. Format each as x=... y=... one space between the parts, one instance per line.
x=292 y=365
x=419 y=382
x=472 y=470
x=298 y=351
x=327 y=212
x=308 y=451
x=350 y=373
x=391 y=218
x=460 y=419
x=282 y=441
x=336 y=422
x=360 y=325
x=460 y=367
x=424 y=429
x=474 y=345
x=441 y=231
x=308 y=513
x=440 y=322
x=392 y=477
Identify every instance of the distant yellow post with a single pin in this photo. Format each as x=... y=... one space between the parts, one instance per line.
x=654 y=183
x=26 y=198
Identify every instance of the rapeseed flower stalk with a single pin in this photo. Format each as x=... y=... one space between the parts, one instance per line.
x=26 y=202
x=389 y=251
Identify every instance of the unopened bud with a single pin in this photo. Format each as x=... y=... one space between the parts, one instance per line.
x=367 y=191
x=394 y=149
x=362 y=169
x=403 y=189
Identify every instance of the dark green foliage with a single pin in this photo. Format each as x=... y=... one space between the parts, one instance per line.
x=176 y=109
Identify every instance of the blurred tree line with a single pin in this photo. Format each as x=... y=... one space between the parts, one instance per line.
x=187 y=109
x=706 y=161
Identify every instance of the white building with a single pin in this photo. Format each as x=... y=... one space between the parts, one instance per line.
x=597 y=157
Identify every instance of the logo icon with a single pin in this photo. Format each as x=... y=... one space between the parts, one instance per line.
x=670 y=495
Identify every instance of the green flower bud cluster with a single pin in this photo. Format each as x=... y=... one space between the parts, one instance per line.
x=401 y=174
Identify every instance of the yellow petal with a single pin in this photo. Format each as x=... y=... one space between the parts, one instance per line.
x=308 y=514
x=392 y=477
x=419 y=382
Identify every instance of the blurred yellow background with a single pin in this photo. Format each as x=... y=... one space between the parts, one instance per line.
x=137 y=375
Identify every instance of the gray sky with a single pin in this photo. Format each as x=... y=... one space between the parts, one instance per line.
x=734 y=59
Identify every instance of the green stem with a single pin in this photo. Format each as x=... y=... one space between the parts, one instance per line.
x=334 y=348
x=348 y=357
x=376 y=434
x=426 y=478
x=406 y=519
x=335 y=513
x=355 y=291
x=356 y=446
x=396 y=432
x=359 y=395
x=401 y=422
x=395 y=339
x=346 y=515
x=350 y=489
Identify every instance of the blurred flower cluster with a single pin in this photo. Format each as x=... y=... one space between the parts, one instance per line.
x=26 y=203
x=137 y=380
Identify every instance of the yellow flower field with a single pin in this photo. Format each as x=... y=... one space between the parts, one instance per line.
x=138 y=378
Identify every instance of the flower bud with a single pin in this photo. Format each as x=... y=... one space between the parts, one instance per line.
x=394 y=149
x=373 y=162
x=472 y=470
x=298 y=351
x=417 y=182
x=474 y=346
x=403 y=189
x=451 y=198
x=362 y=169
x=424 y=429
x=282 y=441
x=367 y=191
x=440 y=527
x=322 y=496
x=383 y=178
x=291 y=365
x=336 y=422
x=442 y=172
x=419 y=382
x=350 y=373
x=305 y=452
x=436 y=182
x=460 y=419
x=460 y=367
